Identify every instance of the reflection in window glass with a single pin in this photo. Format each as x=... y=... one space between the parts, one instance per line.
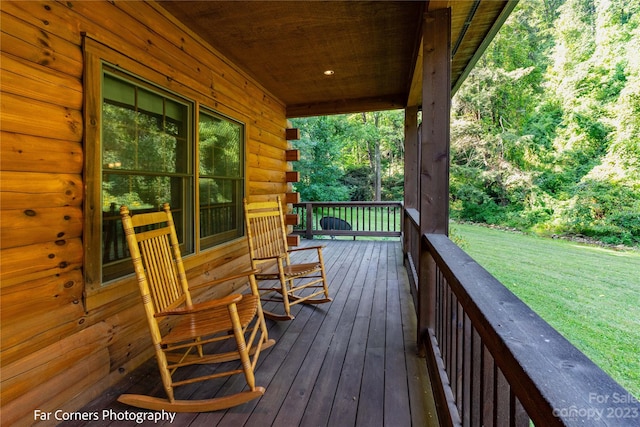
x=221 y=179
x=148 y=156
x=145 y=162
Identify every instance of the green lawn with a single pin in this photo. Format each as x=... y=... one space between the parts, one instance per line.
x=591 y=295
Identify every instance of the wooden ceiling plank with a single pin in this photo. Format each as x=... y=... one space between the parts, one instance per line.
x=370 y=45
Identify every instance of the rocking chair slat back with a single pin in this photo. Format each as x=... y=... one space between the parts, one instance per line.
x=156 y=253
x=164 y=283
x=266 y=231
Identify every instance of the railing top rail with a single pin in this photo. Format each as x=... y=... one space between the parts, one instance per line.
x=302 y=204
x=414 y=214
x=555 y=382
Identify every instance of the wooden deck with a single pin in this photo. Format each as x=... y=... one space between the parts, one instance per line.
x=351 y=362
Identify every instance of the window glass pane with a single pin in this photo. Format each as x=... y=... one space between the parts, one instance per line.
x=219 y=208
x=140 y=140
x=140 y=194
x=216 y=191
x=150 y=103
x=119 y=91
x=219 y=147
x=145 y=162
x=221 y=179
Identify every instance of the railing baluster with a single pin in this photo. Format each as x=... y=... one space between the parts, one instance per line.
x=374 y=219
x=465 y=384
x=488 y=388
x=502 y=392
x=475 y=375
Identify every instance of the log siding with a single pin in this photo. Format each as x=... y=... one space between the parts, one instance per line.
x=64 y=341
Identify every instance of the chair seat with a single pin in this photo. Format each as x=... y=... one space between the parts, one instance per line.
x=294 y=270
x=213 y=321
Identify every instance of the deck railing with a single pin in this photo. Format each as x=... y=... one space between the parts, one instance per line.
x=372 y=219
x=495 y=362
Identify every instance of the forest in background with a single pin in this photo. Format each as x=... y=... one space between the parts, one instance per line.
x=545 y=131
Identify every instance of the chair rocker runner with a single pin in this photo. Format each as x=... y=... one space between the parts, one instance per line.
x=166 y=297
x=298 y=283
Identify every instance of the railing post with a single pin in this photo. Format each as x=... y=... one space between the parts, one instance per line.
x=434 y=153
x=309 y=212
x=411 y=159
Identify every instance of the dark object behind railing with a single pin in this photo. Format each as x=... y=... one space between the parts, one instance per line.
x=493 y=360
x=373 y=219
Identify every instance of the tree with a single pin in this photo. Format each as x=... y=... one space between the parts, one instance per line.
x=321 y=160
x=379 y=137
x=545 y=131
x=351 y=153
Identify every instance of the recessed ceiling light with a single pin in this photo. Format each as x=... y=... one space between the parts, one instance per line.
x=329 y=73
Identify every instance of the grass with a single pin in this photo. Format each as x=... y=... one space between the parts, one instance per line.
x=590 y=294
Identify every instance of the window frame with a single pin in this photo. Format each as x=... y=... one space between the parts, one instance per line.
x=98 y=57
x=183 y=211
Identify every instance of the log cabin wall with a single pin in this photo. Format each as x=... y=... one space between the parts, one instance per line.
x=62 y=344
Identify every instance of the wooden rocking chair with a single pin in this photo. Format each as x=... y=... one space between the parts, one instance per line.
x=166 y=296
x=267 y=237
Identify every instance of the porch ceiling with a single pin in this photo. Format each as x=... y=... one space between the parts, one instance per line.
x=372 y=46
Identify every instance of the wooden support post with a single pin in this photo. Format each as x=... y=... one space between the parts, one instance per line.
x=434 y=155
x=411 y=175
x=411 y=158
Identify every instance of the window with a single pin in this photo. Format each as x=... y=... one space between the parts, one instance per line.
x=145 y=162
x=148 y=156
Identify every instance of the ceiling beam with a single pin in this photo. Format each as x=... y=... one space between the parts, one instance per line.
x=344 y=106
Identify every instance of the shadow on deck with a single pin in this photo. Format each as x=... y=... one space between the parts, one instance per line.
x=351 y=362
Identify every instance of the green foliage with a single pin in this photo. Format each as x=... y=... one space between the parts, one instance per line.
x=351 y=157
x=393 y=187
x=546 y=130
x=359 y=180
x=320 y=160
x=606 y=211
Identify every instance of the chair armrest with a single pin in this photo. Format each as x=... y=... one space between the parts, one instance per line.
x=224 y=279
x=206 y=305
x=307 y=248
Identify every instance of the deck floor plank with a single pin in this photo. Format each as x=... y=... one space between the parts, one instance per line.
x=396 y=352
x=298 y=397
x=324 y=390
x=350 y=362
x=283 y=364
x=345 y=402
x=371 y=399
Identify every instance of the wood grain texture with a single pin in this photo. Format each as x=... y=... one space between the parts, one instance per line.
x=314 y=371
x=46 y=301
